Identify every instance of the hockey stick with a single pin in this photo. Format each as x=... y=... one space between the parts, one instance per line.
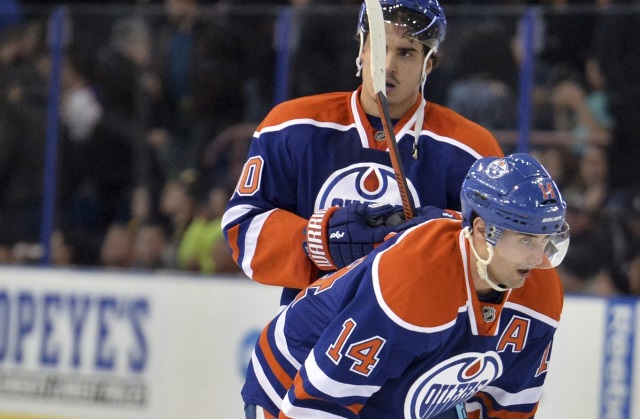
x=378 y=45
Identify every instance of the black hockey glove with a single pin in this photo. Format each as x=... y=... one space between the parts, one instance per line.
x=338 y=236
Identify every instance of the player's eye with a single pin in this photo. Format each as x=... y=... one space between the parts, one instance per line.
x=530 y=239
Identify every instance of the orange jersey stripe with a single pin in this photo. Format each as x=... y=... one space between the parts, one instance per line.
x=233 y=242
x=275 y=367
x=303 y=395
x=298 y=389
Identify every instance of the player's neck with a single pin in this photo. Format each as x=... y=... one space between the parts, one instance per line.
x=369 y=103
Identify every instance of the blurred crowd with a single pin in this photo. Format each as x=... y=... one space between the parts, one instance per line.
x=158 y=104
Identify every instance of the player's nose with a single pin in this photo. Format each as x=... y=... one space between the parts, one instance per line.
x=535 y=258
x=390 y=64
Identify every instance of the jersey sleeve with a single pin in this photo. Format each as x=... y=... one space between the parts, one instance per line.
x=260 y=223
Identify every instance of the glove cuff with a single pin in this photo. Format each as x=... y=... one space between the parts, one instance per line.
x=317 y=240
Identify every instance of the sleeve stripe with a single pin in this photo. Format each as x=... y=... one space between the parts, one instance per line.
x=494 y=413
x=250 y=241
x=264 y=381
x=281 y=340
x=275 y=367
x=332 y=387
x=527 y=396
x=300 y=413
x=235 y=213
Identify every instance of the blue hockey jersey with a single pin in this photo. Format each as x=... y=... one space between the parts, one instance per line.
x=402 y=334
x=320 y=151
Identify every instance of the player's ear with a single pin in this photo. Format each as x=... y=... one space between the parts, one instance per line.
x=429 y=66
x=479 y=227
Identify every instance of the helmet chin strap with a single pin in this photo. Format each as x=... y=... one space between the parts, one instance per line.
x=481 y=264
x=417 y=129
x=359 y=59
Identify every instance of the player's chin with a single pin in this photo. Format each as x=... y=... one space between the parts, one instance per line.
x=520 y=278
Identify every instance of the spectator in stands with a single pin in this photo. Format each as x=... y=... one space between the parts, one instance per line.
x=583 y=109
x=21 y=172
x=6 y=255
x=634 y=275
x=617 y=48
x=73 y=247
x=568 y=33
x=259 y=58
x=481 y=88
x=317 y=47
x=116 y=251
x=120 y=158
x=589 y=257
x=151 y=247
x=199 y=69
x=178 y=204
x=80 y=113
x=591 y=187
x=33 y=39
x=594 y=260
x=626 y=240
x=559 y=161
x=23 y=100
x=203 y=247
x=224 y=157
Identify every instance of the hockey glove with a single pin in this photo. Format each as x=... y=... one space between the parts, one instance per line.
x=338 y=236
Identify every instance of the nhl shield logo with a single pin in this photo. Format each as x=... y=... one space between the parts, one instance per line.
x=379 y=136
x=488 y=314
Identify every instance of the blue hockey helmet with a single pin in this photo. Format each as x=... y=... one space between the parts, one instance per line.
x=512 y=193
x=424 y=20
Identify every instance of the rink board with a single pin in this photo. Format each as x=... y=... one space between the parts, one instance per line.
x=96 y=345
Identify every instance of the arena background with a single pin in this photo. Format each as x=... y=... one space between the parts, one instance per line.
x=103 y=344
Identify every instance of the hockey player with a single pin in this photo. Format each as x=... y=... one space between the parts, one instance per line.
x=448 y=311
x=316 y=162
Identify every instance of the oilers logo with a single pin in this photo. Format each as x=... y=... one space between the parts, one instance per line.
x=451 y=382
x=497 y=169
x=364 y=183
